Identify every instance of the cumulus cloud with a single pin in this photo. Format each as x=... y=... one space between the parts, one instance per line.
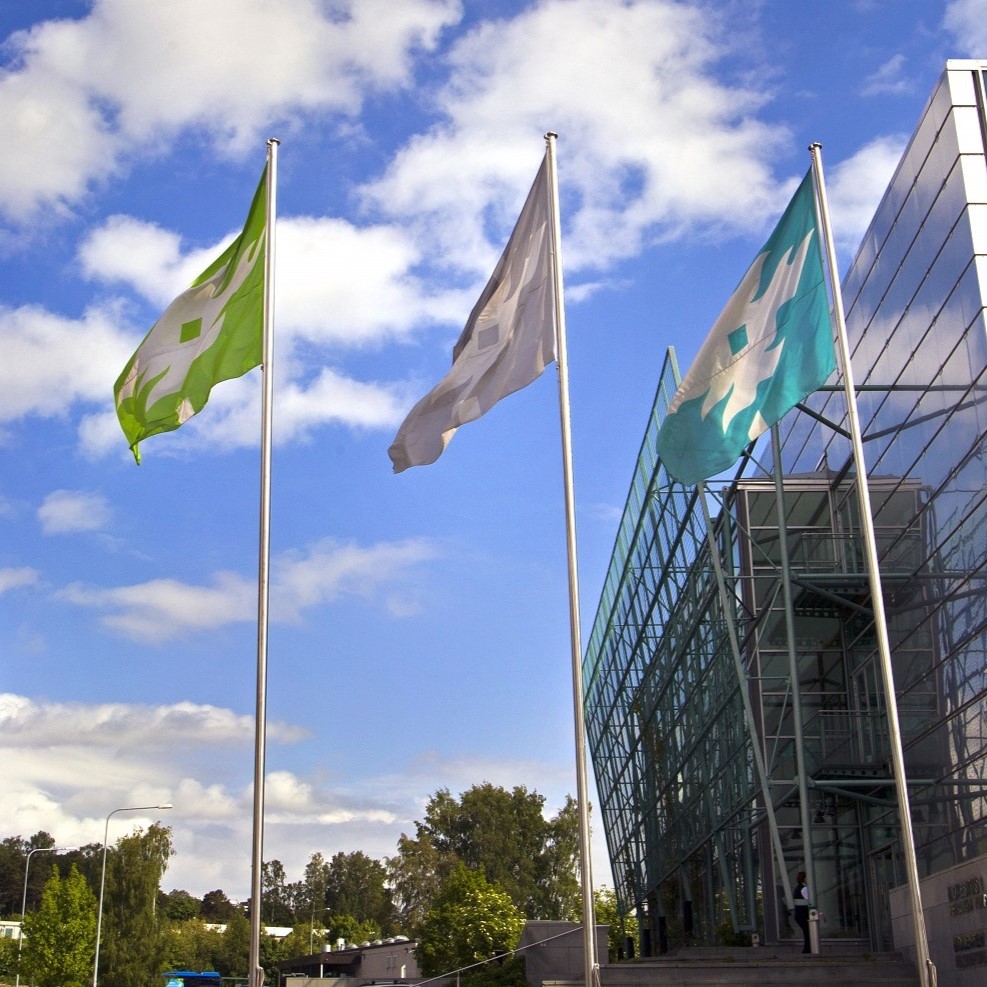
x=80 y=97
x=335 y=284
x=966 y=20
x=889 y=79
x=65 y=511
x=857 y=184
x=684 y=148
x=162 y=609
x=51 y=362
x=15 y=578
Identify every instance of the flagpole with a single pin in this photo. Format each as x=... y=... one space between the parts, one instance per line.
x=926 y=968
x=591 y=974
x=256 y=972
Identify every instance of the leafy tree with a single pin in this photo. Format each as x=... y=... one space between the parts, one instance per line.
x=416 y=873
x=356 y=885
x=311 y=903
x=276 y=904
x=179 y=906
x=621 y=926
x=189 y=945
x=503 y=833
x=13 y=863
x=216 y=907
x=8 y=960
x=133 y=942
x=236 y=946
x=60 y=936
x=354 y=932
x=469 y=921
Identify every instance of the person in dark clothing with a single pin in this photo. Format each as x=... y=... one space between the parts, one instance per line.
x=800 y=894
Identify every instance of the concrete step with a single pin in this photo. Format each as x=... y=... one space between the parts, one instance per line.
x=762 y=967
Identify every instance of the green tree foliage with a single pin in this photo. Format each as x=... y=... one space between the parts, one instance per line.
x=216 y=907
x=8 y=960
x=236 y=946
x=469 y=921
x=352 y=931
x=179 y=906
x=416 y=873
x=502 y=833
x=276 y=904
x=621 y=927
x=13 y=865
x=133 y=941
x=61 y=935
x=311 y=905
x=356 y=885
x=189 y=945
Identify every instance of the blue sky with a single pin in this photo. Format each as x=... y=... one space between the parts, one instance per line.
x=419 y=627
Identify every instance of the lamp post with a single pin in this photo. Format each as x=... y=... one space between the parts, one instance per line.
x=102 y=879
x=27 y=867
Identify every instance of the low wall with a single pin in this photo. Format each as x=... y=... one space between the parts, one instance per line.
x=955 y=905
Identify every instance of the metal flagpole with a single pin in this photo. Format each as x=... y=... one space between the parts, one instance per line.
x=926 y=968
x=589 y=920
x=263 y=570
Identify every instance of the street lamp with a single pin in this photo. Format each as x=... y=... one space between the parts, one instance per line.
x=27 y=867
x=102 y=879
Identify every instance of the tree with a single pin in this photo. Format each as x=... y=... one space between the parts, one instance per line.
x=179 y=906
x=416 y=873
x=356 y=885
x=8 y=960
x=216 y=907
x=191 y=946
x=469 y=921
x=353 y=931
x=60 y=937
x=311 y=904
x=503 y=833
x=133 y=941
x=13 y=863
x=276 y=905
x=236 y=946
x=621 y=926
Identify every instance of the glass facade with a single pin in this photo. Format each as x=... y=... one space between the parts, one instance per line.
x=723 y=766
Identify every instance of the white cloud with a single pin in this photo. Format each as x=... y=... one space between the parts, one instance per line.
x=855 y=187
x=83 y=95
x=122 y=726
x=889 y=79
x=65 y=511
x=335 y=283
x=682 y=149
x=51 y=362
x=15 y=578
x=966 y=20
x=199 y=760
x=162 y=609
x=328 y=569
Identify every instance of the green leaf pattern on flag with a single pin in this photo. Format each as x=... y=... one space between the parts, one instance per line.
x=210 y=333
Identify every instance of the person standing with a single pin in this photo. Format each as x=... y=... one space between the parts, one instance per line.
x=800 y=894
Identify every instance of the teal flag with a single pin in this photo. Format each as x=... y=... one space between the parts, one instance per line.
x=211 y=332
x=771 y=347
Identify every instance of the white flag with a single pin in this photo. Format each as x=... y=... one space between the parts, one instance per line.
x=509 y=339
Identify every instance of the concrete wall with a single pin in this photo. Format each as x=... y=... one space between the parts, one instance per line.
x=560 y=955
x=955 y=906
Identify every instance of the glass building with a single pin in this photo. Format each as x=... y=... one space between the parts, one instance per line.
x=735 y=743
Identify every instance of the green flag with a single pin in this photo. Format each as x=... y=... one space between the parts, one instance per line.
x=771 y=347
x=211 y=332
